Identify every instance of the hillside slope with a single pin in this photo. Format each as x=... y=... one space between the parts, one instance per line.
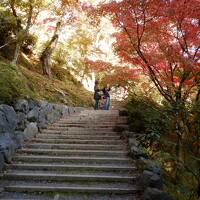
x=22 y=82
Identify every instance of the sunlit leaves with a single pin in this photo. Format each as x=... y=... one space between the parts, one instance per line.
x=162 y=37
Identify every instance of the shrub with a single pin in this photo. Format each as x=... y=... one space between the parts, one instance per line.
x=13 y=84
x=7 y=30
x=147 y=118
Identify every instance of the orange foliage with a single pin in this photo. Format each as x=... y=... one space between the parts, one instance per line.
x=113 y=74
x=163 y=38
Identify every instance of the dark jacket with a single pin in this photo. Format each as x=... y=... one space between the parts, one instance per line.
x=106 y=92
x=96 y=93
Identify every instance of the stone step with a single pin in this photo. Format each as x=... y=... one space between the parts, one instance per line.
x=96 y=120
x=70 y=167
x=72 y=160
x=78 y=119
x=75 y=146
x=90 y=123
x=87 y=120
x=73 y=152
x=66 y=196
x=71 y=136
x=70 y=171
x=82 y=132
x=107 y=189
x=77 y=183
x=86 y=124
x=101 y=133
x=79 y=129
x=74 y=129
x=94 y=113
x=76 y=141
x=66 y=177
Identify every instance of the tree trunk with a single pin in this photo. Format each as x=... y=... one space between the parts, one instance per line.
x=28 y=25
x=83 y=75
x=45 y=57
x=16 y=55
x=180 y=149
x=198 y=95
x=182 y=131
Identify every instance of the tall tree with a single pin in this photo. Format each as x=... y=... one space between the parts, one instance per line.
x=47 y=52
x=78 y=47
x=24 y=12
x=64 y=12
x=162 y=37
x=26 y=31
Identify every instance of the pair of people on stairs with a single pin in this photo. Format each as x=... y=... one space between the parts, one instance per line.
x=100 y=94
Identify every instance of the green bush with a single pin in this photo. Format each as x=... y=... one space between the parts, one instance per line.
x=147 y=118
x=8 y=28
x=13 y=84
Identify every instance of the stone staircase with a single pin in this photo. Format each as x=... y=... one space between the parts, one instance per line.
x=77 y=158
x=116 y=105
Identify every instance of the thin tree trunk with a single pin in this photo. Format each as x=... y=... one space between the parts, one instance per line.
x=16 y=55
x=179 y=149
x=19 y=44
x=198 y=95
x=45 y=57
x=83 y=76
x=182 y=132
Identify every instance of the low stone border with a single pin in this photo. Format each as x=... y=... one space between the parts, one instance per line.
x=24 y=120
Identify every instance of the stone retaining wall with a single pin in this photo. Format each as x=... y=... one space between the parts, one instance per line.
x=24 y=120
x=150 y=179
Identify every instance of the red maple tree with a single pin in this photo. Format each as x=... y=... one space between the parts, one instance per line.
x=162 y=37
x=112 y=74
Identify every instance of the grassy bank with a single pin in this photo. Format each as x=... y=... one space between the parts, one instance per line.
x=28 y=82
